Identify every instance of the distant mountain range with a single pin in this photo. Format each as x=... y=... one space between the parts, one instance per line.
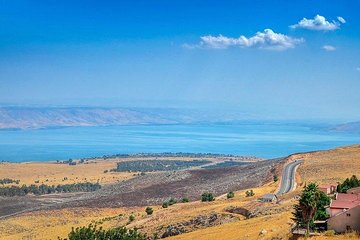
x=51 y=117
x=347 y=127
x=42 y=117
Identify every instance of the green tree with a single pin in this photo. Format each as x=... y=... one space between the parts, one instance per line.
x=249 y=193
x=184 y=200
x=348 y=183
x=311 y=207
x=276 y=178
x=172 y=201
x=207 y=197
x=230 y=195
x=149 y=211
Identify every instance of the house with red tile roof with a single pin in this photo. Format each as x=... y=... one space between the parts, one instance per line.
x=343 y=202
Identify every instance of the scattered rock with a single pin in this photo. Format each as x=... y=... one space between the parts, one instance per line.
x=198 y=222
x=173 y=230
x=263 y=232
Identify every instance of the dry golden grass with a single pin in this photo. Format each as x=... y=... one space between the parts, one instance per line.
x=330 y=167
x=53 y=173
x=50 y=224
x=54 y=223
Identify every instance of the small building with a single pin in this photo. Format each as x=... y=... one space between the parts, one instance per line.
x=269 y=198
x=328 y=189
x=346 y=220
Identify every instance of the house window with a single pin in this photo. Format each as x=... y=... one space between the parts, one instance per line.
x=348 y=214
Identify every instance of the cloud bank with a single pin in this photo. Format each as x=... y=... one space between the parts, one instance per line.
x=319 y=23
x=267 y=39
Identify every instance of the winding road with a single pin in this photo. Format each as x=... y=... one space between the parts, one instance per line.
x=288 y=177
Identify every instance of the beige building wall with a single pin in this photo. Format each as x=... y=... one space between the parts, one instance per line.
x=345 y=221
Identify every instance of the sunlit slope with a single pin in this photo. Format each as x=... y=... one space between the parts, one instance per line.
x=322 y=167
x=330 y=166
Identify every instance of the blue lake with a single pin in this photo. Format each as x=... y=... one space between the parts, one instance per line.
x=262 y=140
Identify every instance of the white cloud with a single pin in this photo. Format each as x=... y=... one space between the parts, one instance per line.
x=319 y=23
x=341 y=19
x=329 y=48
x=267 y=39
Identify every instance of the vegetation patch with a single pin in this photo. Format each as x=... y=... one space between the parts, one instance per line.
x=46 y=189
x=348 y=184
x=230 y=195
x=8 y=181
x=226 y=164
x=311 y=207
x=92 y=232
x=157 y=165
x=207 y=197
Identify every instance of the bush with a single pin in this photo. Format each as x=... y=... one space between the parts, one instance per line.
x=131 y=218
x=249 y=193
x=230 y=195
x=92 y=232
x=276 y=178
x=172 y=201
x=207 y=197
x=106 y=171
x=149 y=211
x=8 y=181
x=165 y=204
x=184 y=200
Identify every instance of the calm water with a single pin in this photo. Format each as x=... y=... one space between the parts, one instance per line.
x=263 y=140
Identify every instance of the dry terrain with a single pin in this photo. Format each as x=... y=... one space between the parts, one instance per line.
x=238 y=218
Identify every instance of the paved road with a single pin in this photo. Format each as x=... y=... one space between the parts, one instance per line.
x=288 y=177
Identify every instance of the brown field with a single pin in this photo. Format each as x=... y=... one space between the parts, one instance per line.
x=272 y=219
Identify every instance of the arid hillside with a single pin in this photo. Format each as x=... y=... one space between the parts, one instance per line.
x=240 y=217
x=329 y=167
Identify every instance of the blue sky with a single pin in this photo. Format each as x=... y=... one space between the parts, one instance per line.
x=257 y=57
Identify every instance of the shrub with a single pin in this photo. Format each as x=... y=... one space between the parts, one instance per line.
x=149 y=211
x=106 y=171
x=276 y=178
x=172 y=201
x=165 y=204
x=249 y=193
x=185 y=200
x=131 y=218
x=92 y=232
x=230 y=195
x=207 y=197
